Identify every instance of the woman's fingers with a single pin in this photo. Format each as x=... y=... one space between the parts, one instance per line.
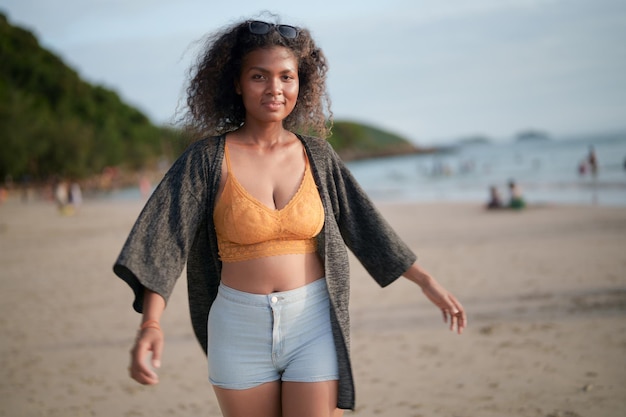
x=139 y=369
x=156 y=354
x=455 y=313
x=143 y=375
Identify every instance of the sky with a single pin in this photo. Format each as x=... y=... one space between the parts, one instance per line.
x=432 y=71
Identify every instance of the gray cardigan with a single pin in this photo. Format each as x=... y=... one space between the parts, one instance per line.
x=176 y=228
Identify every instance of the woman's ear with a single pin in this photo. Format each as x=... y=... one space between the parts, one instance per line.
x=237 y=87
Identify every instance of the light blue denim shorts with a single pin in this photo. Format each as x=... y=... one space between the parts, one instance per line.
x=255 y=338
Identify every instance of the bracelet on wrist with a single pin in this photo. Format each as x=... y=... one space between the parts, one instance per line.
x=150 y=324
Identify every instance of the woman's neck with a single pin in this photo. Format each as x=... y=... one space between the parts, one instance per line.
x=263 y=136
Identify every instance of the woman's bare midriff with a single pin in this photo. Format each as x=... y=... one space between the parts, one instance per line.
x=273 y=273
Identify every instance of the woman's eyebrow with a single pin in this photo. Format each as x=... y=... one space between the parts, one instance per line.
x=263 y=69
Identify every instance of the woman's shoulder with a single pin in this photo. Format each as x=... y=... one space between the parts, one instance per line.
x=210 y=143
x=204 y=149
x=318 y=147
x=314 y=140
x=197 y=158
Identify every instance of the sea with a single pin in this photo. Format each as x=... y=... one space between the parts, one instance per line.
x=547 y=171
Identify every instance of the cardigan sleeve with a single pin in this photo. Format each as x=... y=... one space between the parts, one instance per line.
x=364 y=230
x=157 y=247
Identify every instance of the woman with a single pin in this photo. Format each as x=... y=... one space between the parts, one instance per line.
x=261 y=216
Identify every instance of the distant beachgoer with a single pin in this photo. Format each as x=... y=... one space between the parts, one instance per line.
x=145 y=187
x=516 y=200
x=582 y=168
x=495 y=200
x=261 y=216
x=76 y=196
x=61 y=195
x=592 y=160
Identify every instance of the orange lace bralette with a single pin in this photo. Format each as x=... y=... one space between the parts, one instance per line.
x=248 y=229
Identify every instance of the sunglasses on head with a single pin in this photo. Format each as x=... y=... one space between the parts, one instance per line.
x=257 y=27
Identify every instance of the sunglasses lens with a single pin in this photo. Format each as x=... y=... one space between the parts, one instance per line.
x=288 y=31
x=259 y=28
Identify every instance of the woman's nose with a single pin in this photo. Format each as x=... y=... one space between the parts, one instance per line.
x=274 y=86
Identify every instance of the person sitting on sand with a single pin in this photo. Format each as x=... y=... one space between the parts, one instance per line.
x=495 y=200
x=516 y=201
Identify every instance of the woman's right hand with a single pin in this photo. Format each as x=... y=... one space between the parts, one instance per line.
x=149 y=340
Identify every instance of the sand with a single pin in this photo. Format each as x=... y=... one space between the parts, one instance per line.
x=545 y=290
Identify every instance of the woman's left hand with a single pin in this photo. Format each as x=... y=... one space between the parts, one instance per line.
x=452 y=310
x=450 y=307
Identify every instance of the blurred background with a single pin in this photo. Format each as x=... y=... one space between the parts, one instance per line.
x=457 y=96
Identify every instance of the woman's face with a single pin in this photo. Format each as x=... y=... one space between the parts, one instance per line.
x=269 y=84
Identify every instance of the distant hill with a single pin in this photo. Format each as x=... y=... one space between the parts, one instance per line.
x=354 y=140
x=531 y=135
x=474 y=140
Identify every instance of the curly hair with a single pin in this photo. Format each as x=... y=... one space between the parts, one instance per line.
x=214 y=107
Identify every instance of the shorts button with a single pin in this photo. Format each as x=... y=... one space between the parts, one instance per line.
x=274 y=299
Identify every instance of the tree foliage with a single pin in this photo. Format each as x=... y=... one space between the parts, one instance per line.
x=52 y=123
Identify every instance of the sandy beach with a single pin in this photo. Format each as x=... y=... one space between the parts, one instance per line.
x=545 y=290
